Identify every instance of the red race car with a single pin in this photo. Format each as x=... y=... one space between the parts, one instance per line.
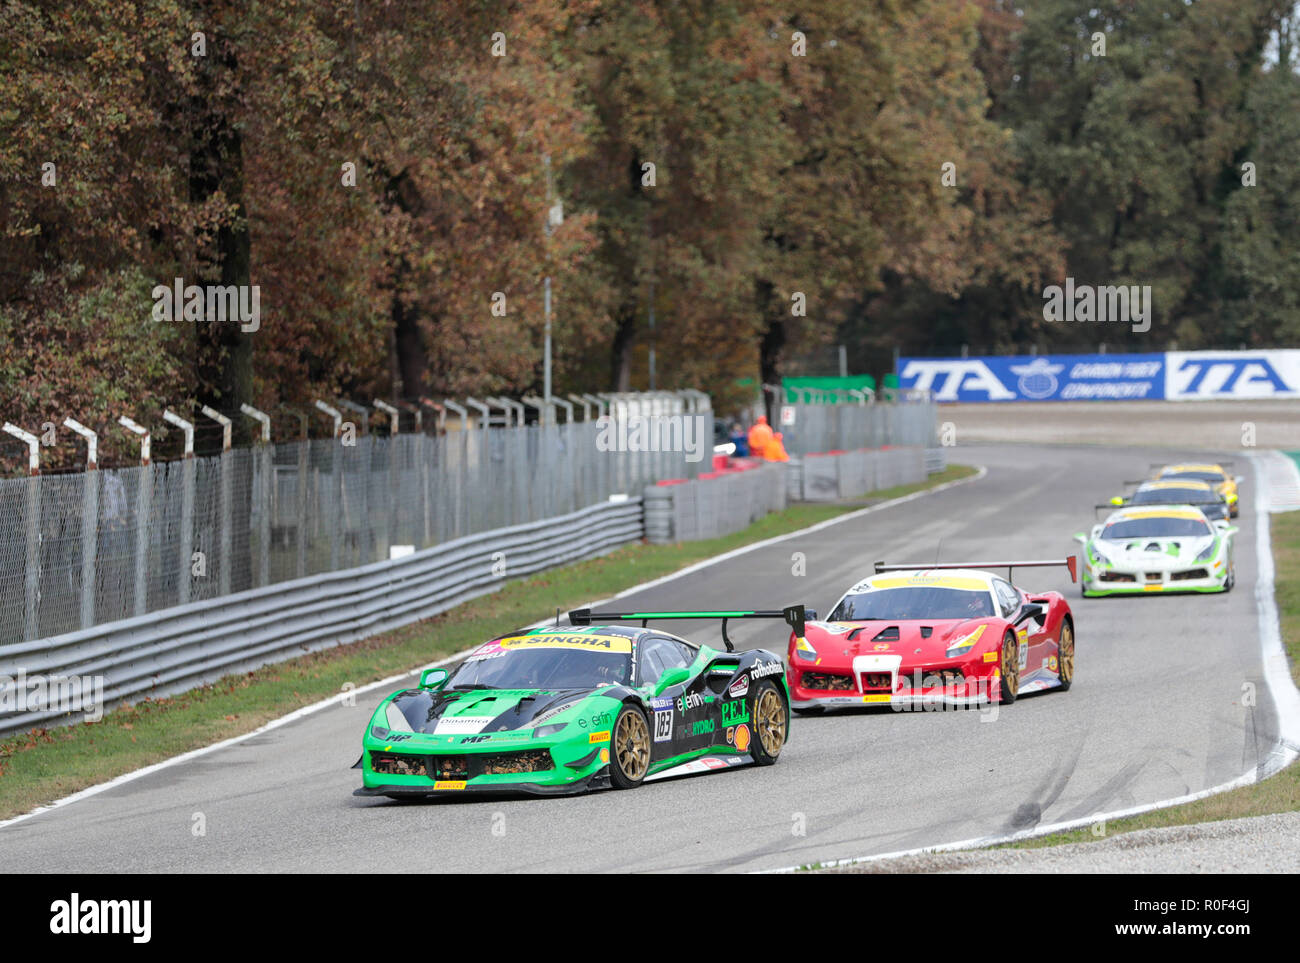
x=948 y=634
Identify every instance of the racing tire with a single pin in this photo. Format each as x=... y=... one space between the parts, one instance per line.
x=770 y=723
x=629 y=748
x=1231 y=580
x=1009 y=668
x=1065 y=655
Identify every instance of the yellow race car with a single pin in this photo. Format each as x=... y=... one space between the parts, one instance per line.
x=1213 y=474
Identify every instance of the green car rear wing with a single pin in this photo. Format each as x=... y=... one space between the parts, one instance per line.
x=793 y=615
x=1071 y=562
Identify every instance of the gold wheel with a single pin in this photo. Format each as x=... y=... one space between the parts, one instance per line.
x=632 y=745
x=1065 y=657
x=769 y=717
x=1010 y=669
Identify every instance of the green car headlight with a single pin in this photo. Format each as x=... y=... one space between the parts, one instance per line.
x=1207 y=553
x=541 y=732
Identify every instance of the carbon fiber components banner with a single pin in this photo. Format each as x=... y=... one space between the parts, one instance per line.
x=1061 y=377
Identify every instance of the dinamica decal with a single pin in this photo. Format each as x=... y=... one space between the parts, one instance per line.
x=461 y=725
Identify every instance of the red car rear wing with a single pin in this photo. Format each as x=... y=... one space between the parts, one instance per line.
x=1071 y=562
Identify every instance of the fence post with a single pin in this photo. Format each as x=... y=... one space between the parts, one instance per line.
x=394 y=476
x=143 y=504
x=264 y=459
x=336 y=484
x=223 y=583
x=89 y=520
x=482 y=409
x=462 y=460
x=187 y=504
x=302 y=490
x=32 y=523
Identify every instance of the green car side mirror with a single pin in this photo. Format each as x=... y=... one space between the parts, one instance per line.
x=433 y=678
x=672 y=677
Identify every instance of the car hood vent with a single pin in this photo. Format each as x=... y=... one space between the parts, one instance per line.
x=927 y=631
x=889 y=634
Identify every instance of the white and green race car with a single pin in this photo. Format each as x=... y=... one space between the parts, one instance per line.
x=1157 y=548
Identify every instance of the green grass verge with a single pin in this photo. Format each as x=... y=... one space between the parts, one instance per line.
x=1279 y=793
x=47 y=764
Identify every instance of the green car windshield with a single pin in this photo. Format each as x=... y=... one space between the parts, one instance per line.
x=912 y=602
x=543 y=668
x=1155 y=528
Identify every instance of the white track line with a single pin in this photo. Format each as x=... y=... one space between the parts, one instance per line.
x=1277 y=676
x=392 y=680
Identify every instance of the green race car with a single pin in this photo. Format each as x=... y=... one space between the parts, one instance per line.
x=564 y=709
x=1141 y=549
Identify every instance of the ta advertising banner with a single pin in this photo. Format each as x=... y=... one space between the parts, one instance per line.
x=1052 y=377
x=1209 y=375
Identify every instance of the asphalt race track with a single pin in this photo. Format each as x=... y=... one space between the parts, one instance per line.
x=1156 y=712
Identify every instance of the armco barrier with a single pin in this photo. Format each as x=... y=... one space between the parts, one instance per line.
x=176 y=649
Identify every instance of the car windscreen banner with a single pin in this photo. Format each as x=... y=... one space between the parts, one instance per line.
x=1062 y=377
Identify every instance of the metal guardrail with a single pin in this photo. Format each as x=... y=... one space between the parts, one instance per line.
x=178 y=648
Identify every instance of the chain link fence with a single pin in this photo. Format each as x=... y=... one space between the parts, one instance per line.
x=81 y=550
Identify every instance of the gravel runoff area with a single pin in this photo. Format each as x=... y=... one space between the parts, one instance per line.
x=1216 y=425
x=1257 y=844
